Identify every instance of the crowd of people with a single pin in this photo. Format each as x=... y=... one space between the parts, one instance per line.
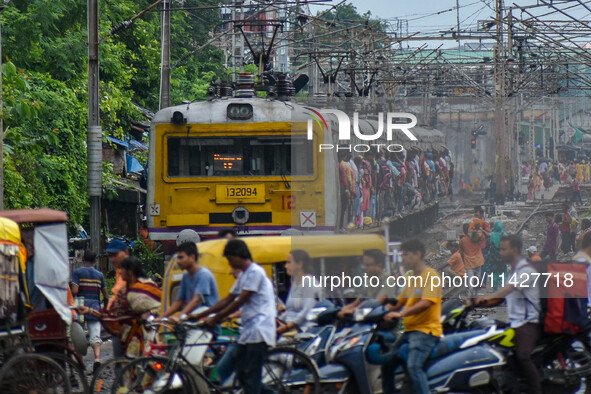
x=565 y=233
x=548 y=173
x=134 y=297
x=478 y=251
x=540 y=178
x=378 y=186
x=265 y=318
x=492 y=254
x=484 y=250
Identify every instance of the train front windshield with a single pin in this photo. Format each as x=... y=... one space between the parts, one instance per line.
x=231 y=156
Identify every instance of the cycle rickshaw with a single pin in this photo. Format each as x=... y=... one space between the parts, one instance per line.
x=42 y=307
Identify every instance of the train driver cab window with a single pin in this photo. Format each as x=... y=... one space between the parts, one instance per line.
x=240 y=156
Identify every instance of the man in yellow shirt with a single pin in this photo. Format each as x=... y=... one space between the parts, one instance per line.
x=421 y=315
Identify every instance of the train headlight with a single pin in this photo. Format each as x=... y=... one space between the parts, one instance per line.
x=178 y=118
x=240 y=215
x=239 y=111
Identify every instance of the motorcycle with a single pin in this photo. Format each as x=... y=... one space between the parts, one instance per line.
x=323 y=322
x=333 y=339
x=563 y=360
x=347 y=368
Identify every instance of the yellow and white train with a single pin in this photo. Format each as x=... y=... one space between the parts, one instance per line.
x=246 y=163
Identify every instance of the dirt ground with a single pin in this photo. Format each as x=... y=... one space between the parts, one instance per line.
x=526 y=218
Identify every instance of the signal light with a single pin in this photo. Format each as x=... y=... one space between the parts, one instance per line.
x=473 y=143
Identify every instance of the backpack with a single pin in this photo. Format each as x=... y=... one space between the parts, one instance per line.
x=563 y=297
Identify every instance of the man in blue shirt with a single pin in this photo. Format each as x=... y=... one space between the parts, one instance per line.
x=89 y=283
x=253 y=294
x=198 y=286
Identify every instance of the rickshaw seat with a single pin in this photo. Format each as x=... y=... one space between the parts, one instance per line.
x=47 y=325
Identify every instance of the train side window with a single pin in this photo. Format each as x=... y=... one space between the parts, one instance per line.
x=173 y=156
x=301 y=156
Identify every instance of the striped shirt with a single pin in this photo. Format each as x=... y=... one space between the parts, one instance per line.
x=90 y=282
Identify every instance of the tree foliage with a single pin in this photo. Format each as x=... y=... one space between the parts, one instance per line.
x=45 y=83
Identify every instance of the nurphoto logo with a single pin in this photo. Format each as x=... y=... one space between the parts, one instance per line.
x=391 y=124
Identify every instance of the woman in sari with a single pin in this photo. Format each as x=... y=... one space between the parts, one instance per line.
x=563 y=173
x=531 y=188
x=135 y=302
x=579 y=171
x=495 y=264
x=538 y=180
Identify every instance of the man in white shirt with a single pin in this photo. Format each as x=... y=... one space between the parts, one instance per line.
x=523 y=308
x=253 y=294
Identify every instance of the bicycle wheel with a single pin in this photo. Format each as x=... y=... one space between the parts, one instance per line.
x=153 y=374
x=102 y=379
x=289 y=370
x=75 y=373
x=33 y=373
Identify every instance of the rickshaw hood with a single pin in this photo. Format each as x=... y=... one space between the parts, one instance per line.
x=10 y=233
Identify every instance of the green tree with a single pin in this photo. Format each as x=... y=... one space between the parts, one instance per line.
x=45 y=136
x=45 y=88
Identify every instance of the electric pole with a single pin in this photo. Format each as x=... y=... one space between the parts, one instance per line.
x=95 y=133
x=237 y=40
x=458 y=24
x=165 y=56
x=1 y=123
x=502 y=163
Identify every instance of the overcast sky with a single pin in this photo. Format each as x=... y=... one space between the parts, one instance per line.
x=433 y=16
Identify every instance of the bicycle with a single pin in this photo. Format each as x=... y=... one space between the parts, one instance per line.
x=75 y=374
x=285 y=370
x=33 y=373
x=103 y=377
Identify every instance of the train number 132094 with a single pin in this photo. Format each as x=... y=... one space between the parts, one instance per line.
x=241 y=191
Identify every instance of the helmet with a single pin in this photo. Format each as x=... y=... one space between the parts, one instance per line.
x=187 y=235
